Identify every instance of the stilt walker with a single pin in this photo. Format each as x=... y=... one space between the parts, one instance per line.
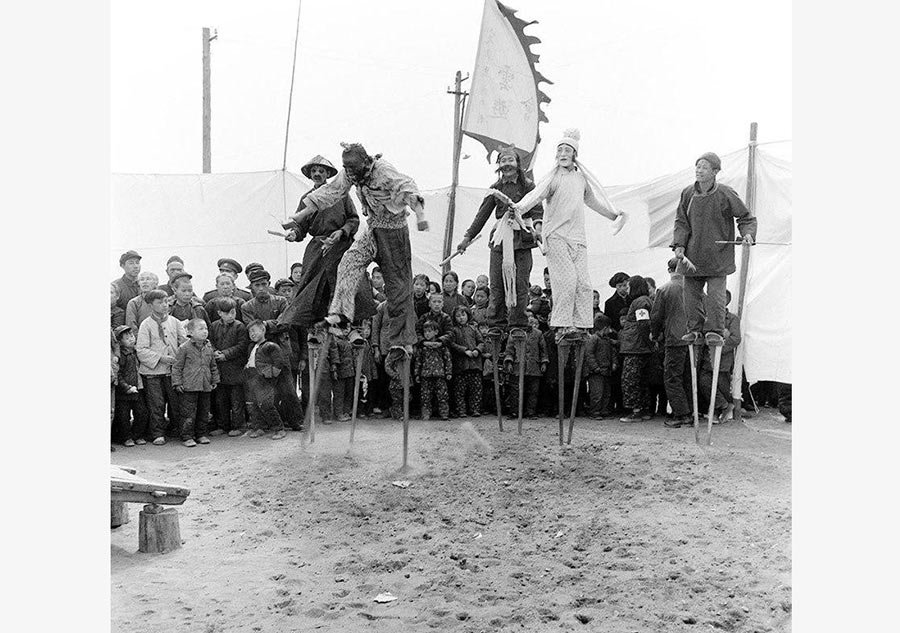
x=704 y=224
x=518 y=337
x=579 y=363
x=495 y=334
x=361 y=346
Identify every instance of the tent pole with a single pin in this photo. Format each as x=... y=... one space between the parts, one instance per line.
x=457 y=148
x=738 y=373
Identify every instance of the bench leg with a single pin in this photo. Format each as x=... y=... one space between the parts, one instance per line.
x=158 y=530
x=118 y=514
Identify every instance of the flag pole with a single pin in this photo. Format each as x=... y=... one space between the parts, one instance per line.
x=738 y=373
x=457 y=149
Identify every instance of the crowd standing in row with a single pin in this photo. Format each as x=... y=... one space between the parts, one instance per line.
x=230 y=362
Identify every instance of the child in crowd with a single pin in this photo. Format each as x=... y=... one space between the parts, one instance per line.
x=128 y=399
x=380 y=399
x=436 y=313
x=481 y=309
x=536 y=362
x=635 y=348
x=368 y=374
x=224 y=289
x=452 y=298
x=482 y=281
x=264 y=364
x=540 y=307
x=601 y=359
x=597 y=307
x=296 y=273
x=158 y=340
x=184 y=306
x=116 y=313
x=466 y=346
x=434 y=288
x=195 y=375
x=137 y=309
x=433 y=368
x=229 y=339
x=378 y=285
x=285 y=288
x=732 y=336
x=468 y=289
x=420 y=296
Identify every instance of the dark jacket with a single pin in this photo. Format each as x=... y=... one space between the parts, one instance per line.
x=667 y=318
x=480 y=315
x=466 y=338
x=194 y=368
x=535 y=353
x=445 y=326
x=456 y=299
x=600 y=354
x=346 y=360
x=263 y=310
x=635 y=335
x=726 y=362
x=232 y=340
x=212 y=308
x=433 y=362
x=613 y=307
x=270 y=360
x=128 y=290
x=128 y=375
x=116 y=317
x=703 y=218
x=420 y=304
x=515 y=191
x=194 y=310
x=239 y=293
x=341 y=215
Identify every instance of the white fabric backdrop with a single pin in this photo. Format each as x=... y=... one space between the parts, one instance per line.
x=205 y=217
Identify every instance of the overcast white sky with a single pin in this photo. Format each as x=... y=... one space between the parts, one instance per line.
x=651 y=85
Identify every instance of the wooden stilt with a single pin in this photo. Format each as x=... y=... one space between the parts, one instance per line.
x=562 y=348
x=118 y=514
x=404 y=367
x=518 y=337
x=361 y=352
x=495 y=350
x=693 y=358
x=579 y=361
x=716 y=353
x=158 y=530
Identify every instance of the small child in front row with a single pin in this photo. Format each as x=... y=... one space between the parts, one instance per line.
x=128 y=399
x=466 y=346
x=264 y=364
x=195 y=375
x=229 y=339
x=433 y=369
x=536 y=361
x=488 y=393
x=342 y=374
x=601 y=359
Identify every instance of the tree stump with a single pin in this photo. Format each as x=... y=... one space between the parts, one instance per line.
x=118 y=514
x=158 y=530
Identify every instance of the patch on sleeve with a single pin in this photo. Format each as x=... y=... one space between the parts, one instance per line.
x=642 y=315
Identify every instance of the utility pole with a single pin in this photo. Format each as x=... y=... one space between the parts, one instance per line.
x=207 y=103
x=458 y=112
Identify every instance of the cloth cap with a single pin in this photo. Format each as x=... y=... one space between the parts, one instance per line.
x=570 y=137
x=284 y=282
x=121 y=330
x=321 y=161
x=182 y=275
x=258 y=274
x=712 y=159
x=617 y=279
x=124 y=257
x=174 y=258
x=229 y=263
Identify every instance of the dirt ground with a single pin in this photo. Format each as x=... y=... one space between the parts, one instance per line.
x=631 y=528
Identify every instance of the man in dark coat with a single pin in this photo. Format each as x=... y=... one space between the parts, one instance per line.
x=706 y=215
x=514 y=184
x=127 y=284
x=669 y=325
x=619 y=299
x=233 y=268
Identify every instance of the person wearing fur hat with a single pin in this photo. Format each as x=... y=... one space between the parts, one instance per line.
x=567 y=190
x=331 y=230
x=387 y=197
x=706 y=213
x=515 y=257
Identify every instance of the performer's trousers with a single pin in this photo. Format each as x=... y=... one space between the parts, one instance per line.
x=702 y=318
x=573 y=297
x=677 y=378
x=500 y=315
x=390 y=249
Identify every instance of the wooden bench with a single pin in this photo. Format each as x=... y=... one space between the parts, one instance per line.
x=158 y=529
